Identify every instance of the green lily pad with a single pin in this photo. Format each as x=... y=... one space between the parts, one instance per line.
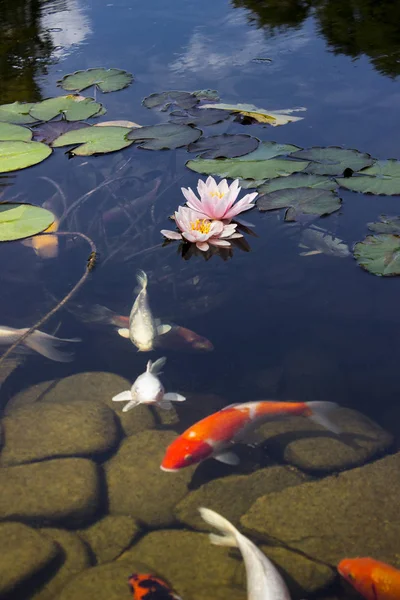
x=73 y=108
x=18 y=221
x=383 y=178
x=247 y=168
x=333 y=160
x=386 y=225
x=50 y=131
x=379 y=254
x=106 y=80
x=17 y=112
x=298 y=180
x=274 y=118
x=14 y=132
x=164 y=100
x=95 y=140
x=195 y=116
x=165 y=136
x=210 y=95
x=225 y=145
x=300 y=201
x=15 y=155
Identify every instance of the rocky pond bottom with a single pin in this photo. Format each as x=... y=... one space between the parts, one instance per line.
x=84 y=504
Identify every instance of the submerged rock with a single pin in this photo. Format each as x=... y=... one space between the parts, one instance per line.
x=136 y=484
x=104 y=582
x=55 y=491
x=86 y=387
x=25 y=553
x=232 y=496
x=47 y=430
x=311 y=447
x=352 y=514
x=190 y=562
x=75 y=558
x=110 y=536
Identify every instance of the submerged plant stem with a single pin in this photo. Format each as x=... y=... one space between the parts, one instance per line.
x=89 y=267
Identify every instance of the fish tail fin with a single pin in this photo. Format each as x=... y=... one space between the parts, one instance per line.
x=97 y=314
x=142 y=280
x=320 y=413
x=155 y=367
x=45 y=344
x=228 y=531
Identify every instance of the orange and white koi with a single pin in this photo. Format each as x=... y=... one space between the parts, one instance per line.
x=373 y=579
x=210 y=437
x=45 y=246
x=145 y=586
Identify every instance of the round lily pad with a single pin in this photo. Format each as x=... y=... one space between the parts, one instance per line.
x=10 y=132
x=195 y=116
x=15 y=155
x=106 y=80
x=95 y=140
x=225 y=145
x=379 y=254
x=164 y=100
x=18 y=221
x=298 y=180
x=17 y=112
x=333 y=160
x=386 y=225
x=73 y=108
x=164 y=136
x=382 y=178
x=246 y=167
x=50 y=131
x=298 y=201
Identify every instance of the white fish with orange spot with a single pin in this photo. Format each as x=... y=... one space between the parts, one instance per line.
x=148 y=389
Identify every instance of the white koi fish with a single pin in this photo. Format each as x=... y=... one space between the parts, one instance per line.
x=38 y=341
x=264 y=582
x=148 y=389
x=143 y=328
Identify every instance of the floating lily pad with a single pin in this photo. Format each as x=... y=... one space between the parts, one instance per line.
x=298 y=180
x=379 y=254
x=164 y=100
x=210 y=95
x=73 y=108
x=15 y=155
x=18 y=221
x=48 y=132
x=95 y=140
x=122 y=123
x=298 y=201
x=383 y=178
x=334 y=160
x=17 y=112
x=225 y=145
x=106 y=80
x=164 y=136
x=14 y=132
x=195 y=116
x=246 y=167
x=274 y=118
x=386 y=225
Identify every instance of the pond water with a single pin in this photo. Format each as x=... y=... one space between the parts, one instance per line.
x=284 y=324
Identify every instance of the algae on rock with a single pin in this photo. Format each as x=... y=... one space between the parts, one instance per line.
x=137 y=486
x=65 y=490
x=110 y=536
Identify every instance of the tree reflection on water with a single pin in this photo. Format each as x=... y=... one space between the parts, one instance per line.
x=351 y=27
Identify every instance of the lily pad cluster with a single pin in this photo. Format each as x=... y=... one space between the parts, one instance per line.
x=379 y=254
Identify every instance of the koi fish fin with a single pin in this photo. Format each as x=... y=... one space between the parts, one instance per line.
x=172 y=397
x=165 y=404
x=142 y=280
x=96 y=314
x=130 y=405
x=230 y=406
x=228 y=458
x=228 y=531
x=320 y=413
x=123 y=332
x=155 y=367
x=163 y=328
x=45 y=344
x=123 y=397
x=311 y=253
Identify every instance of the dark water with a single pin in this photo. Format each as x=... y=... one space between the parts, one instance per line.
x=283 y=325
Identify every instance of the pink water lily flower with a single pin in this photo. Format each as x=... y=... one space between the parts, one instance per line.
x=217 y=201
x=200 y=230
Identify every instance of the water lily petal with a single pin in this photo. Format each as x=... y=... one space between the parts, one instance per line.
x=171 y=235
x=223 y=187
x=203 y=246
x=217 y=227
x=244 y=204
x=218 y=242
x=235 y=235
x=228 y=230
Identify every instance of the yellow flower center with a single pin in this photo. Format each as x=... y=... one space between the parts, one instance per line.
x=217 y=194
x=201 y=225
